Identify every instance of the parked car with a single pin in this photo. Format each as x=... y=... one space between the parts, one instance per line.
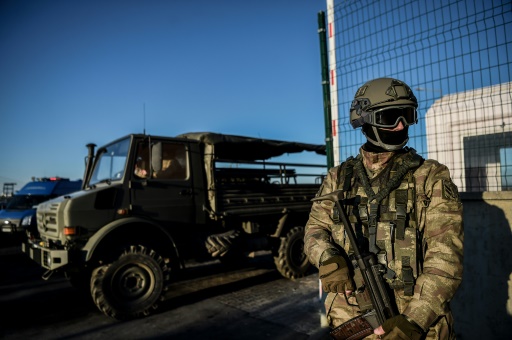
x=19 y=215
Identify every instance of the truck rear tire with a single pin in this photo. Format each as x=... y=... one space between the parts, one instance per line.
x=290 y=259
x=132 y=285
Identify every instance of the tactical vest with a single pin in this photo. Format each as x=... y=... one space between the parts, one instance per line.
x=383 y=215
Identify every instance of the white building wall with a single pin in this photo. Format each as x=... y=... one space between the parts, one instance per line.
x=479 y=112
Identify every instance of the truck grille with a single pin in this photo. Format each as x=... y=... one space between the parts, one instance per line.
x=47 y=221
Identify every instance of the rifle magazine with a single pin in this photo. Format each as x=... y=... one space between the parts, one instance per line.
x=354 y=329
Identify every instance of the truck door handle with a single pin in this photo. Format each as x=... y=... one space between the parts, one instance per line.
x=186 y=192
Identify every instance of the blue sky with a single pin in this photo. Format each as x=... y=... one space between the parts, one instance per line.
x=78 y=72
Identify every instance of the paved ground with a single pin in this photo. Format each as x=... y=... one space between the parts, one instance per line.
x=211 y=302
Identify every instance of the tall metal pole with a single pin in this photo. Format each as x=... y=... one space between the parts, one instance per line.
x=326 y=89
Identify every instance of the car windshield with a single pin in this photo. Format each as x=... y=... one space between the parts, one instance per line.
x=24 y=202
x=111 y=162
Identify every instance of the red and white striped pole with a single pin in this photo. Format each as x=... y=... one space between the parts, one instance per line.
x=333 y=81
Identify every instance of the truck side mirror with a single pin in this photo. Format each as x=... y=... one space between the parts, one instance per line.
x=156 y=157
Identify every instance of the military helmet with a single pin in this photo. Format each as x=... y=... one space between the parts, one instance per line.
x=382 y=102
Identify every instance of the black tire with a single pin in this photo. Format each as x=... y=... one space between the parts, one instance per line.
x=290 y=259
x=131 y=286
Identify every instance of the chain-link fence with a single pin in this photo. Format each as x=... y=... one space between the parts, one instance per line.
x=457 y=58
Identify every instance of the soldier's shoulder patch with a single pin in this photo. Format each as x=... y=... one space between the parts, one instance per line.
x=450 y=191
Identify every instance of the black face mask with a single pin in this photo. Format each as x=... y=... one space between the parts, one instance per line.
x=369 y=146
x=389 y=140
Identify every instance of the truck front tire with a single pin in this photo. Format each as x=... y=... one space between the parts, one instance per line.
x=131 y=286
x=290 y=259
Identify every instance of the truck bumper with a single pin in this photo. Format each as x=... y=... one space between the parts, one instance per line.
x=46 y=258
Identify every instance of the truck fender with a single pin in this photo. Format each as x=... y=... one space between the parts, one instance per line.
x=100 y=235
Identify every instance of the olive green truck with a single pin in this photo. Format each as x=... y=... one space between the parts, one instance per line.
x=150 y=204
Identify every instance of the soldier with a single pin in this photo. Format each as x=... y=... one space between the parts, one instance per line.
x=409 y=214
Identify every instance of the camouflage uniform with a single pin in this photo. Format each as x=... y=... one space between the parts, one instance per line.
x=430 y=241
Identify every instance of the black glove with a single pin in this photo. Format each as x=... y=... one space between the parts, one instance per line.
x=398 y=327
x=335 y=275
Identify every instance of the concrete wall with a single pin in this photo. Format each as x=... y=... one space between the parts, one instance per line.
x=482 y=306
x=459 y=116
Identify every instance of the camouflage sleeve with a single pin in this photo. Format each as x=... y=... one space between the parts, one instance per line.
x=440 y=220
x=317 y=236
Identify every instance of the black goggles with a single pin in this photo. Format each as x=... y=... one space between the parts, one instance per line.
x=390 y=116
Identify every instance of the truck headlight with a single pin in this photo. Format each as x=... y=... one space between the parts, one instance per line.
x=27 y=220
x=7 y=227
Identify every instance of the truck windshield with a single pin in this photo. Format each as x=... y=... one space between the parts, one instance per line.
x=25 y=202
x=111 y=162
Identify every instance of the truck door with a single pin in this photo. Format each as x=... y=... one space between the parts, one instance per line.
x=161 y=186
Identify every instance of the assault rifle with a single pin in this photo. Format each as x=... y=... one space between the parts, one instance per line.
x=370 y=292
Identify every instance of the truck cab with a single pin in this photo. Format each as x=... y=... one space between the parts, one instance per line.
x=140 y=176
x=137 y=182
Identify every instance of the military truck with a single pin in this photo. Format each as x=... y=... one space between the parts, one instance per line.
x=150 y=204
